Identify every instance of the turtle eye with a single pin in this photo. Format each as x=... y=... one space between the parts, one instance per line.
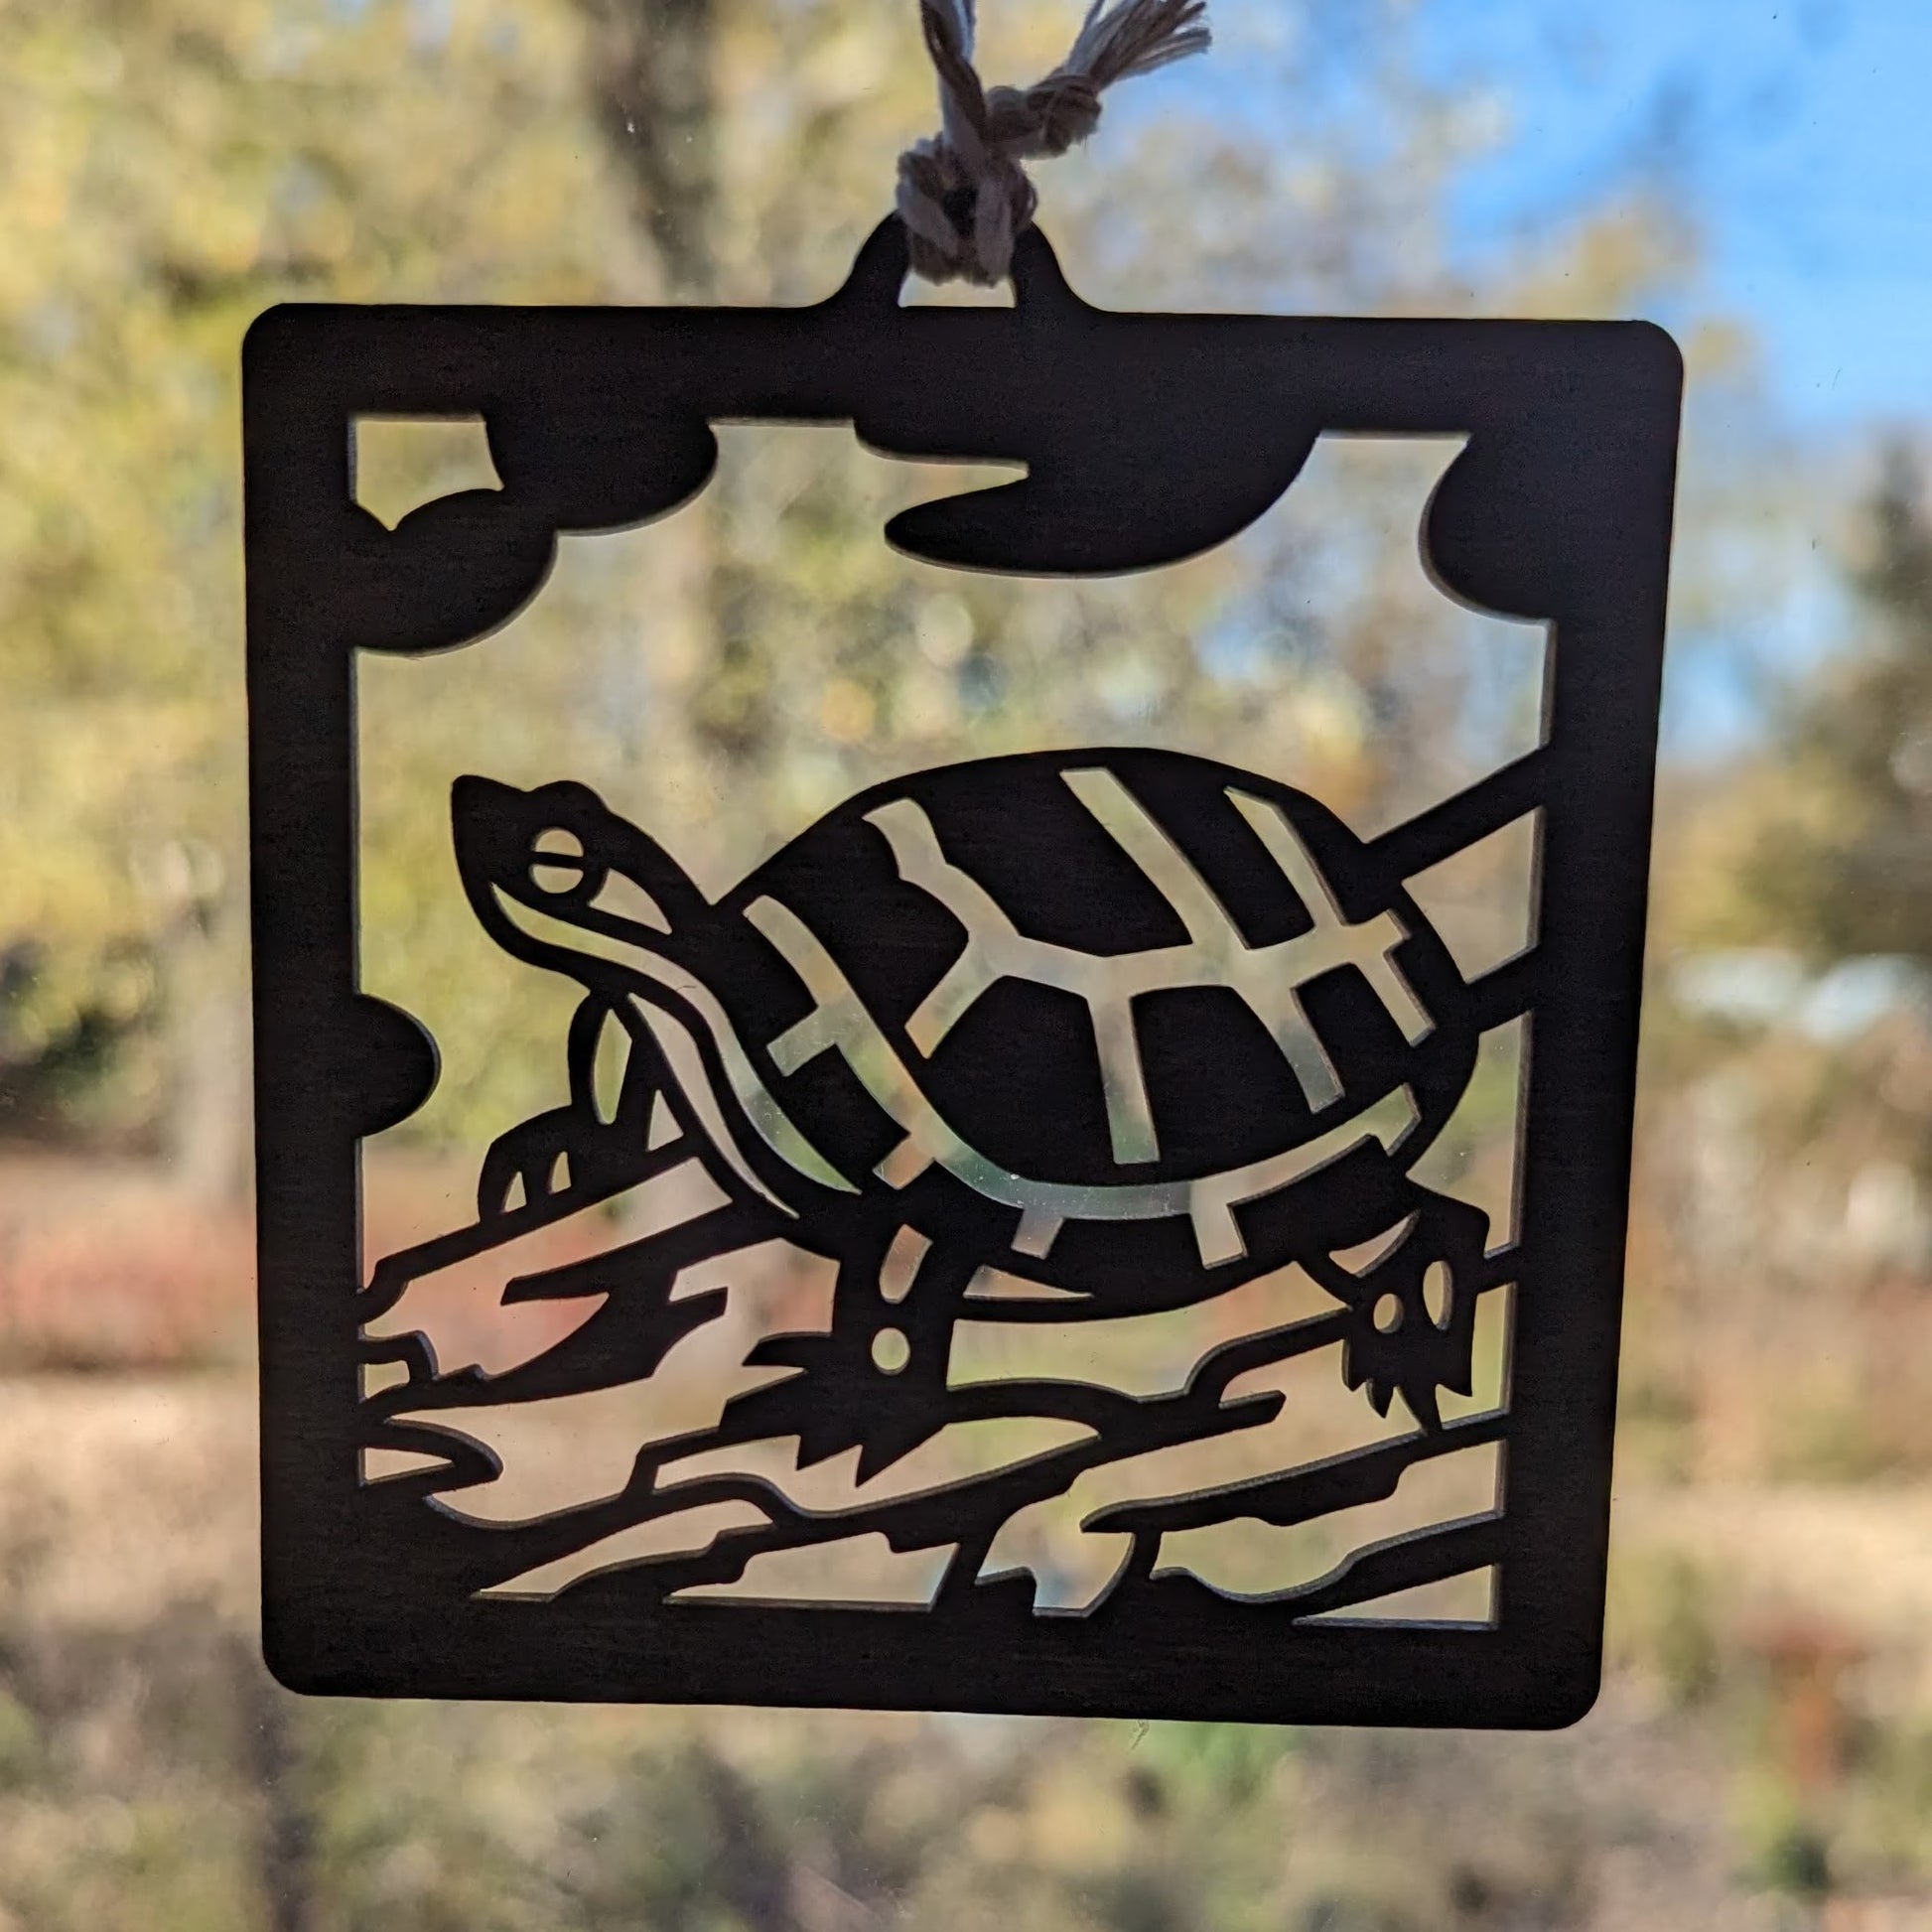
x=557 y=864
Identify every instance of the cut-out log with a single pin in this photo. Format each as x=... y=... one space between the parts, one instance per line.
x=1301 y=1495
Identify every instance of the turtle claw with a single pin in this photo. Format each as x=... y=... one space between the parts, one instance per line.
x=564 y=1152
x=538 y=1155
x=1424 y=1404
x=1421 y=1396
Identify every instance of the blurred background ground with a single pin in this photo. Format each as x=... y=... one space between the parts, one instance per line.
x=1762 y=1755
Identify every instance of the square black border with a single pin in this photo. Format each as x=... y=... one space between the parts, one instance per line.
x=1559 y=509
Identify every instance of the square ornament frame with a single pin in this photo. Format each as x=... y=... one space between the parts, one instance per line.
x=1147 y=438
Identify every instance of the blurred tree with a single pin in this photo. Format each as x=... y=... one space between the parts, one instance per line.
x=1842 y=862
x=166 y=172
x=169 y=172
x=742 y=666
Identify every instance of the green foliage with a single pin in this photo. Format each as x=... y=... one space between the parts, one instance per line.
x=1661 y=1624
x=1786 y=1850
x=1842 y=861
x=22 y=1750
x=1217 y=1763
x=494 y=1818
x=167 y=172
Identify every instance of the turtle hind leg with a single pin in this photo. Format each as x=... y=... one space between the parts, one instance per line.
x=877 y=1380
x=1412 y=1313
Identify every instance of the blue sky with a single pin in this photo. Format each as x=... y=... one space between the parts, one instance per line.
x=1797 y=131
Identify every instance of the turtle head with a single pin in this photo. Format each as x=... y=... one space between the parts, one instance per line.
x=560 y=880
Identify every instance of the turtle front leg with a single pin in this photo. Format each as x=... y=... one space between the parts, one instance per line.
x=1414 y=1307
x=877 y=1380
x=575 y=1150
x=537 y=1157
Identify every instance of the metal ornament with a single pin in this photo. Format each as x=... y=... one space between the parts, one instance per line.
x=1128 y=1027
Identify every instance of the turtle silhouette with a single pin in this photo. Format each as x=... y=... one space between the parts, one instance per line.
x=1125 y=1027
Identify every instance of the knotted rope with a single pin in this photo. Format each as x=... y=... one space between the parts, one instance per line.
x=963 y=194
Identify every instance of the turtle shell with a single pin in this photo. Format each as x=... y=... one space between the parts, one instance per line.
x=1108 y=967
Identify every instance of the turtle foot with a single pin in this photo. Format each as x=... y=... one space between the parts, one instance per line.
x=844 y=1397
x=564 y=1151
x=1412 y=1326
x=532 y=1162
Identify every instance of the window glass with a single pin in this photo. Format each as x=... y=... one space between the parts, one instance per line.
x=1761 y=1754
